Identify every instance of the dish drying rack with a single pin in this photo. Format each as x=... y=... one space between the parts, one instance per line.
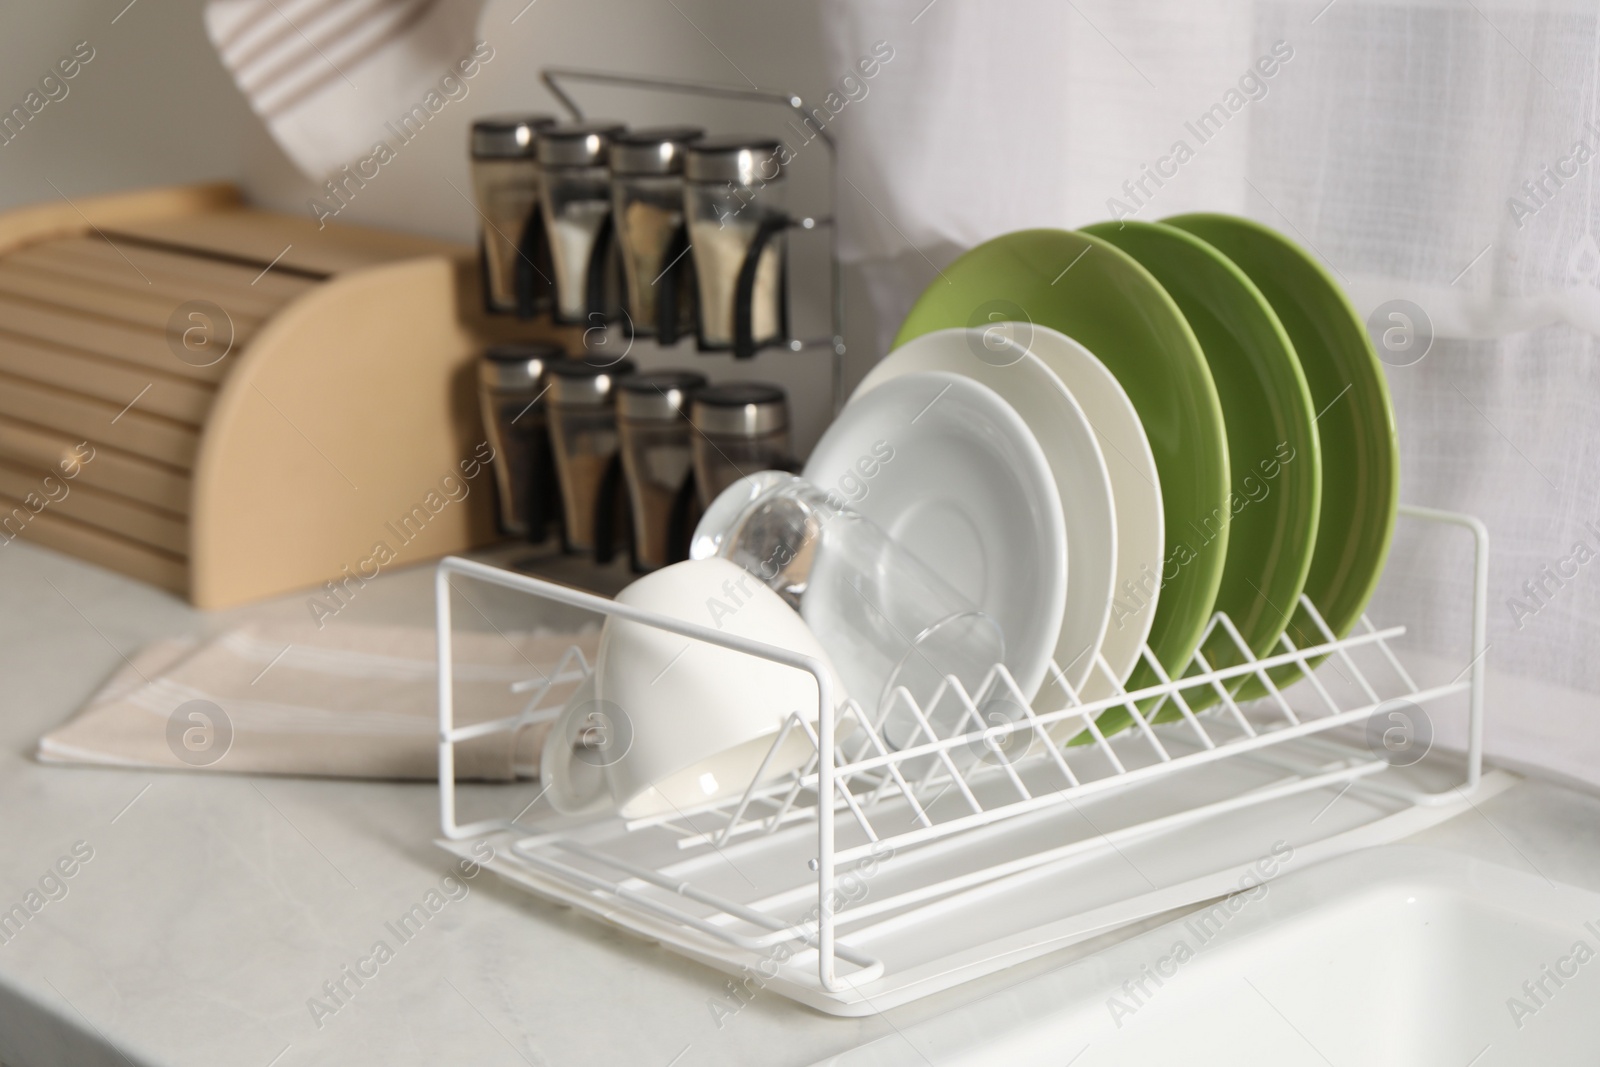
x=873 y=876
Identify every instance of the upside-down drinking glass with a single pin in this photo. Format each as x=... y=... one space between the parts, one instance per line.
x=886 y=619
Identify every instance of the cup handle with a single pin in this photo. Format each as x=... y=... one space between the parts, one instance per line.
x=744 y=342
x=483 y=276
x=675 y=279
x=613 y=513
x=572 y=786
x=531 y=279
x=544 y=494
x=599 y=264
x=681 y=521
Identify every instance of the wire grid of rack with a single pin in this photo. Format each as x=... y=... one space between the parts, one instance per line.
x=966 y=812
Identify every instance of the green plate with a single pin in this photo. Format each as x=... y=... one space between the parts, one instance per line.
x=1272 y=436
x=1355 y=422
x=1098 y=295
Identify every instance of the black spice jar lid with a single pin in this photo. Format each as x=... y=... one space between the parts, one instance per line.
x=658 y=396
x=744 y=409
x=508 y=136
x=743 y=160
x=580 y=383
x=577 y=144
x=517 y=367
x=657 y=150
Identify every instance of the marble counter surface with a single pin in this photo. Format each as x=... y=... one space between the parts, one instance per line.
x=214 y=907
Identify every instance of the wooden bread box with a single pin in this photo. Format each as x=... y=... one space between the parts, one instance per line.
x=231 y=403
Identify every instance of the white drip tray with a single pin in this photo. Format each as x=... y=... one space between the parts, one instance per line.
x=954 y=940
x=1398 y=955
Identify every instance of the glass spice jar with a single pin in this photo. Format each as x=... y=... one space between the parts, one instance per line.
x=511 y=386
x=743 y=427
x=575 y=198
x=647 y=209
x=734 y=203
x=657 y=458
x=583 y=431
x=505 y=182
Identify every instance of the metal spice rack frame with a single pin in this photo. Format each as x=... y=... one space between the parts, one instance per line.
x=554 y=76
x=966 y=818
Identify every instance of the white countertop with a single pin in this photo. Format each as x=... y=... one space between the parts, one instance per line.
x=215 y=906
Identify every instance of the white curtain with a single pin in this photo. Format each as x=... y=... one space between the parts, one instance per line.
x=1441 y=152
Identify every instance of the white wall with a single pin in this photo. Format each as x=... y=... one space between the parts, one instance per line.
x=152 y=106
x=155 y=106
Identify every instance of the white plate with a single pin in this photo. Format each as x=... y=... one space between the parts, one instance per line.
x=1141 y=524
x=966 y=489
x=1065 y=433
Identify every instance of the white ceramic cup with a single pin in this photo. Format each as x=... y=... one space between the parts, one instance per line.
x=674 y=722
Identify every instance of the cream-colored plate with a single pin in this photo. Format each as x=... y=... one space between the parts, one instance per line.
x=1136 y=487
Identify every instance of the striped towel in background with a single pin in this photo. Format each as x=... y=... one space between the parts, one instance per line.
x=331 y=78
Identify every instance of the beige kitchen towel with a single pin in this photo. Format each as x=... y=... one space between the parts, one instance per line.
x=351 y=701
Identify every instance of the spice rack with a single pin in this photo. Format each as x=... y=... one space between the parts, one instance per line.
x=553 y=77
x=873 y=876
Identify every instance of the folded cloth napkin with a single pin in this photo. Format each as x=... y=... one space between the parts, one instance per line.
x=359 y=702
x=334 y=79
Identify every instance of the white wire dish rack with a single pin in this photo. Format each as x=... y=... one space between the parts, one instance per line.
x=874 y=876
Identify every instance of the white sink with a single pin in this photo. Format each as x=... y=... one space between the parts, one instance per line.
x=1396 y=955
